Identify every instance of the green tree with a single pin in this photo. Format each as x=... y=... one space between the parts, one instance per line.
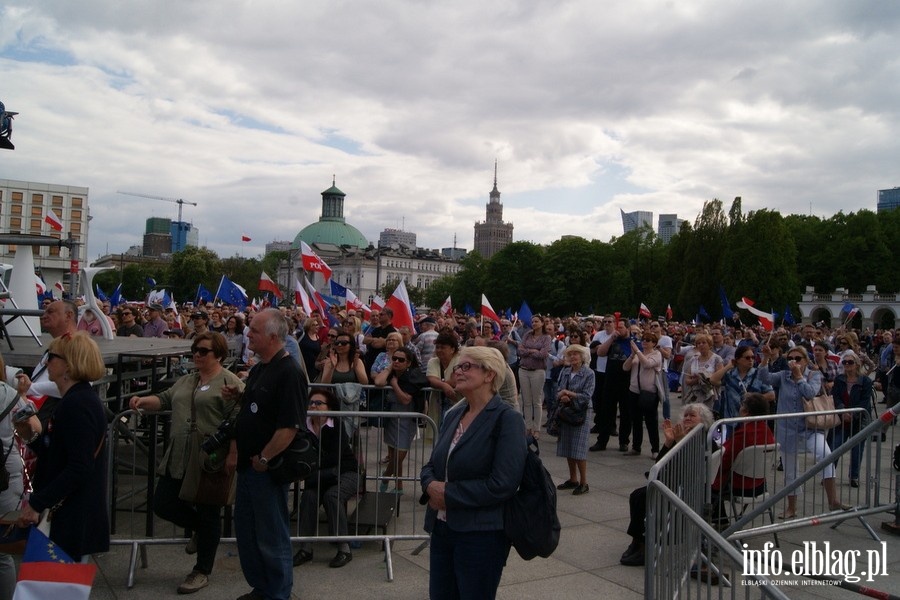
x=438 y=291
x=513 y=275
x=189 y=268
x=468 y=284
x=701 y=266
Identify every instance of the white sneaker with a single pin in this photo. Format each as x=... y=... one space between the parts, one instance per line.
x=193 y=582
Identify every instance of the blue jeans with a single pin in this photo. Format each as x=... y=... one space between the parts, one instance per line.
x=261 y=526
x=839 y=436
x=466 y=564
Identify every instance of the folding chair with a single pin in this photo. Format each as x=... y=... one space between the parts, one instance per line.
x=751 y=462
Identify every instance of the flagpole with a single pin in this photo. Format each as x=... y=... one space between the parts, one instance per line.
x=218 y=289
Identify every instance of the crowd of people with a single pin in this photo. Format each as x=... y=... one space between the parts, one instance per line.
x=493 y=386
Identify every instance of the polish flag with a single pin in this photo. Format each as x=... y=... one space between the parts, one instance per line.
x=353 y=301
x=645 y=312
x=317 y=300
x=767 y=320
x=40 y=285
x=301 y=298
x=669 y=312
x=58 y=285
x=38 y=580
x=399 y=303
x=52 y=220
x=312 y=262
x=377 y=303
x=267 y=285
x=446 y=307
x=487 y=310
x=245 y=237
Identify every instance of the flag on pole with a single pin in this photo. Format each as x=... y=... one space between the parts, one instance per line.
x=377 y=302
x=767 y=320
x=788 y=317
x=39 y=285
x=353 y=301
x=487 y=311
x=337 y=290
x=116 y=298
x=400 y=304
x=203 y=294
x=301 y=298
x=48 y=572
x=525 y=315
x=727 y=313
x=669 y=312
x=469 y=311
x=319 y=301
x=99 y=293
x=53 y=221
x=446 y=307
x=231 y=293
x=644 y=312
x=151 y=282
x=267 y=285
x=58 y=285
x=245 y=237
x=312 y=262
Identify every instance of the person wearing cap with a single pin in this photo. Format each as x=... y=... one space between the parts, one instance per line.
x=425 y=340
x=200 y=319
x=155 y=325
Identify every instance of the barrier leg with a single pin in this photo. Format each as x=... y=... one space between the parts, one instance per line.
x=132 y=565
x=389 y=565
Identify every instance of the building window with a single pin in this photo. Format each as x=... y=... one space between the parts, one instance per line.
x=15 y=209
x=37 y=211
x=75 y=227
x=54 y=250
x=56 y=201
x=15 y=223
x=35 y=225
x=77 y=202
x=37 y=199
x=75 y=215
x=17 y=197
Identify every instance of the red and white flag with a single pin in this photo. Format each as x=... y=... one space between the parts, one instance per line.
x=53 y=221
x=312 y=262
x=669 y=312
x=353 y=301
x=316 y=298
x=446 y=307
x=645 y=312
x=245 y=237
x=58 y=285
x=399 y=303
x=767 y=320
x=267 y=285
x=487 y=311
x=40 y=285
x=301 y=298
x=42 y=580
x=377 y=303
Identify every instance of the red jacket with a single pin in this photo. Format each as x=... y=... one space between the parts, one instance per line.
x=749 y=434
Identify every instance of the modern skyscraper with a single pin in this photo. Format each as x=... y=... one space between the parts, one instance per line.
x=668 y=226
x=636 y=219
x=888 y=199
x=493 y=234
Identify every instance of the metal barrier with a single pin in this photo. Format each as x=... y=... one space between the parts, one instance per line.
x=686 y=555
x=376 y=514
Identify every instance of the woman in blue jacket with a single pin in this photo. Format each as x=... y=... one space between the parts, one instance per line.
x=475 y=467
x=851 y=390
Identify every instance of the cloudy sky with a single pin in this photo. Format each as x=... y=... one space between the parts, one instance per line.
x=249 y=107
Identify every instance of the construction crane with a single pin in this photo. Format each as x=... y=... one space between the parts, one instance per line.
x=177 y=201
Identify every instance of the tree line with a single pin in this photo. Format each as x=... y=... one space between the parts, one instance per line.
x=762 y=255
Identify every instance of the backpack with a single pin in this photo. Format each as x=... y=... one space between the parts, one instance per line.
x=530 y=519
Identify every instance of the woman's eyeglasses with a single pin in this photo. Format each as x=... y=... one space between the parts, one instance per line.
x=464 y=367
x=342 y=343
x=795 y=358
x=201 y=350
x=54 y=355
x=317 y=403
x=398 y=359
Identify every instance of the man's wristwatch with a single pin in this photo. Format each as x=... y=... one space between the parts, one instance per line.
x=263 y=460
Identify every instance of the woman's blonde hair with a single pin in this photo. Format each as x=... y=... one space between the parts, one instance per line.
x=394 y=335
x=578 y=348
x=490 y=360
x=81 y=354
x=703 y=337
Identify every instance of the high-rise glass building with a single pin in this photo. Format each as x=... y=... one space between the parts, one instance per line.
x=888 y=199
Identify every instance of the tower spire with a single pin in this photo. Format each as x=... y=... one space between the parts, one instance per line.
x=495 y=193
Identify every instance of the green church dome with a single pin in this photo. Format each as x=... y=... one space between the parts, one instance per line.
x=331 y=228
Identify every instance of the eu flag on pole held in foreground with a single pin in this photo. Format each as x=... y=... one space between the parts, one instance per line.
x=231 y=293
x=525 y=314
x=116 y=298
x=48 y=572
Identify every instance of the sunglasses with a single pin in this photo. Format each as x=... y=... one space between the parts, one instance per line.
x=464 y=367
x=317 y=403
x=342 y=343
x=332 y=335
x=398 y=359
x=54 y=355
x=201 y=350
x=848 y=362
x=795 y=358
x=125 y=314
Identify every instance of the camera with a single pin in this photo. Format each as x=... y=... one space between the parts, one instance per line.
x=25 y=413
x=219 y=438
